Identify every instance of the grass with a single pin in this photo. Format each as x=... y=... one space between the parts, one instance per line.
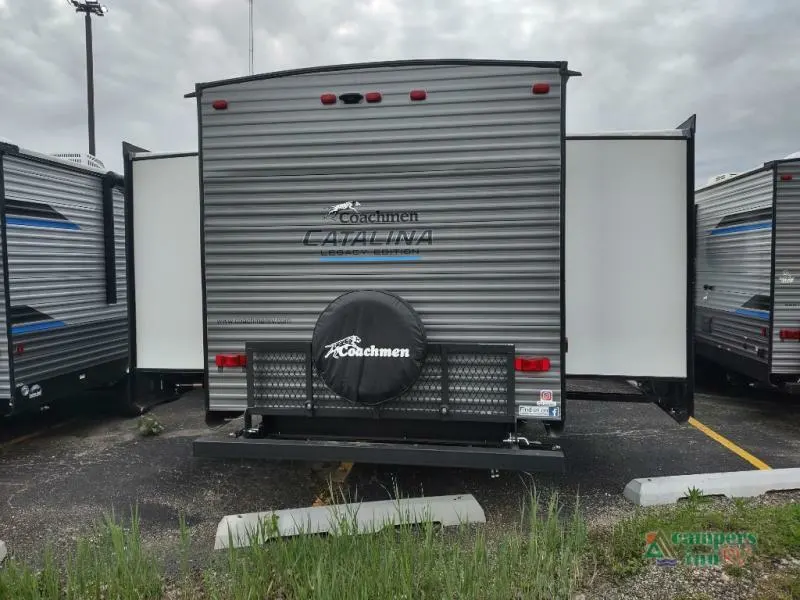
x=549 y=554
x=619 y=549
x=784 y=586
x=108 y=564
x=148 y=425
x=540 y=558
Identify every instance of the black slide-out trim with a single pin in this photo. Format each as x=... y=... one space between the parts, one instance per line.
x=110 y=181
x=206 y=386
x=773 y=236
x=127 y=151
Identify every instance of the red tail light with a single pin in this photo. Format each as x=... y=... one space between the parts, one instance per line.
x=532 y=364
x=219 y=104
x=418 y=95
x=328 y=98
x=790 y=334
x=786 y=177
x=764 y=332
x=373 y=97
x=231 y=360
x=541 y=88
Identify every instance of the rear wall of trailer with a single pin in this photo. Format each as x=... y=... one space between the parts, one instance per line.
x=477 y=163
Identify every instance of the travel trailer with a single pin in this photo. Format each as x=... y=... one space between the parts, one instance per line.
x=63 y=313
x=411 y=262
x=748 y=264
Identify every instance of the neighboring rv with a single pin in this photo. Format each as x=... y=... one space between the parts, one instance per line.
x=63 y=315
x=383 y=262
x=748 y=265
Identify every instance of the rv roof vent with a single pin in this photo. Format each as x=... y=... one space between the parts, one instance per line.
x=82 y=159
x=722 y=177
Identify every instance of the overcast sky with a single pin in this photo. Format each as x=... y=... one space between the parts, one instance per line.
x=646 y=64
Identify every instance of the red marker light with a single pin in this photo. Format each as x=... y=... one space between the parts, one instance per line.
x=220 y=104
x=328 y=98
x=541 y=88
x=532 y=364
x=373 y=97
x=231 y=360
x=786 y=177
x=417 y=95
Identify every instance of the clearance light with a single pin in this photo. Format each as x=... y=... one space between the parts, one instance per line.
x=786 y=177
x=219 y=104
x=790 y=334
x=231 y=360
x=541 y=88
x=532 y=364
x=328 y=98
x=373 y=97
x=417 y=95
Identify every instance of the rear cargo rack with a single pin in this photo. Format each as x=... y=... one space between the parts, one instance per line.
x=459 y=382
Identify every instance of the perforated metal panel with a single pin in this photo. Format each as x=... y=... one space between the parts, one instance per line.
x=457 y=381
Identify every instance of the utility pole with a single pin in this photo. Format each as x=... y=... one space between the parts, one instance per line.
x=89 y=8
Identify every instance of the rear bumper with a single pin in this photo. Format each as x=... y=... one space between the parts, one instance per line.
x=535 y=459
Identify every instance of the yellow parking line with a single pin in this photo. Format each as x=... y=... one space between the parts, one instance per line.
x=337 y=478
x=758 y=464
x=34 y=434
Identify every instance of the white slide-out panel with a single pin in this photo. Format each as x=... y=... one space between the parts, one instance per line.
x=626 y=253
x=166 y=242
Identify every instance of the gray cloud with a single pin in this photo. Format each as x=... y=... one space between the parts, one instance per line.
x=736 y=63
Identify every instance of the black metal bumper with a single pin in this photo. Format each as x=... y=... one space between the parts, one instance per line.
x=539 y=458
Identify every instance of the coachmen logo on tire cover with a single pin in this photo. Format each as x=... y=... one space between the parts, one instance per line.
x=369 y=346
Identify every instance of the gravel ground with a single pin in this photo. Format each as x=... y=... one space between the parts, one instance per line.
x=701 y=583
x=52 y=488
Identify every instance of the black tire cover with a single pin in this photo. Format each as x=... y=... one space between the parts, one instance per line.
x=369 y=346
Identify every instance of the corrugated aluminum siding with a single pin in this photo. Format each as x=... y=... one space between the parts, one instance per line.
x=786 y=354
x=5 y=371
x=479 y=161
x=58 y=271
x=734 y=238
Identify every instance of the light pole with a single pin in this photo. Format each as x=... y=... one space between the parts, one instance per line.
x=89 y=8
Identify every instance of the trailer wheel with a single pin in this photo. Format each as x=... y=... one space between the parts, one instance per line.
x=369 y=346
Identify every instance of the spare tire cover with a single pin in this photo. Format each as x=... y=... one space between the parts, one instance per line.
x=369 y=346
